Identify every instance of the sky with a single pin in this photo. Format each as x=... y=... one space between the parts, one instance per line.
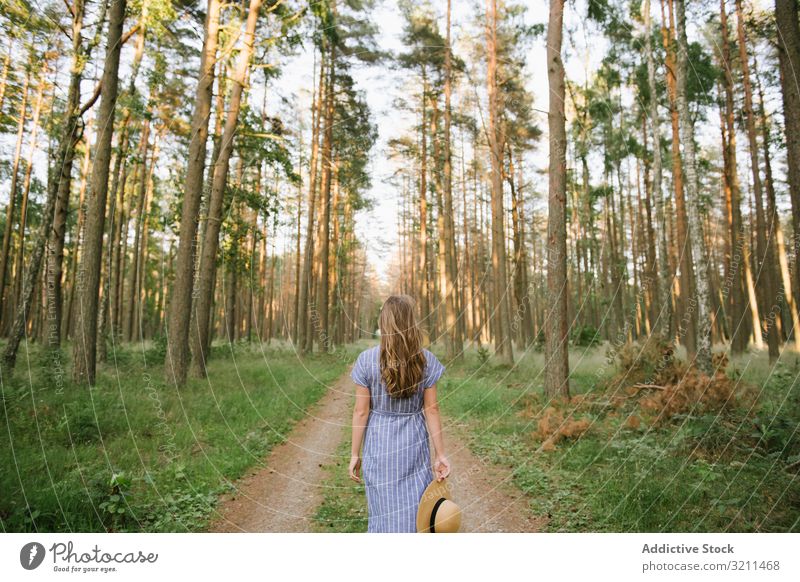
x=377 y=227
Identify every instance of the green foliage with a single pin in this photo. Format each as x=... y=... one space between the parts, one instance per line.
x=585 y=336
x=598 y=10
x=344 y=505
x=134 y=454
x=538 y=341
x=354 y=135
x=157 y=352
x=80 y=424
x=483 y=355
x=705 y=472
x=775 y=431
x=116 y=507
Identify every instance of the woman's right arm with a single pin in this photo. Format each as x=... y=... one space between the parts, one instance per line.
x=430 y=403
x=360 y=417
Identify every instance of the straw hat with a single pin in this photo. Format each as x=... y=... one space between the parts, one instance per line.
x=437 y=512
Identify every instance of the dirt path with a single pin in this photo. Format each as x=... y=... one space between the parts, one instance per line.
x=283 y=494
x=489 y=501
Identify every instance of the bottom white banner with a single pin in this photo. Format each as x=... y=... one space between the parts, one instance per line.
x=385 y=557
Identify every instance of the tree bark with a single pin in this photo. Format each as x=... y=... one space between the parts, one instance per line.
x=26 y=187
x=786 y=18
x=556 y=381
x=133 y=304
x=502 y=313
x=85 y=345
x=61 y=180
x=687 y=329
x=765 y=271
x=422 y=252
x=739 y=322
x=304 y=340
x=180 y=302
x=665 y=310
x=205 y=296
x=772 y=225
x=117 y=195
x=703 y=299
x=12 y=196
x=323 y=296
x=455 y=343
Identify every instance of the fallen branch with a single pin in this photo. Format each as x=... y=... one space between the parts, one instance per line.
x=646 y=386
x=793 y=465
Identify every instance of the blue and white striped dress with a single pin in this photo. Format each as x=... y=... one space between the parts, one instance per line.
x=396 y=461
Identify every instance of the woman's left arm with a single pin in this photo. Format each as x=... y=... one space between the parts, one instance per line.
x=360 y=416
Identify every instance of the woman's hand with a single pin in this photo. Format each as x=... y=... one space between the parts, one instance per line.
x=441 y=467
x=355 y=468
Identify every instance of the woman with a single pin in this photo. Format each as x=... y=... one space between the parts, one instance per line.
x=395 y=400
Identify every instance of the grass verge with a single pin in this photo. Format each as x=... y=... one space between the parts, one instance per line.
x=729 y=470
x=136 y=454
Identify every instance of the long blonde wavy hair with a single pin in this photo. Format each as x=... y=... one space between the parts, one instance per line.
x=402 y=360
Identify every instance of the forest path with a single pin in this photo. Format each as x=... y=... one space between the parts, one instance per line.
x=284 y=493
x=489 y=501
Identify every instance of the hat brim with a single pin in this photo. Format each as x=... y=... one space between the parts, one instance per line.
x=435 y=491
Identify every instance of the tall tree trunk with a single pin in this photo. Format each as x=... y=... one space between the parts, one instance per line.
x=136 y=266
x=26 y=187
x=229 y=319
x=522 y=320
x=271 y=294
x=765 y=277
x=323 y=296
x=304 y=340
x=687 y=329
x=703 y=299
x=117 y=195
x=75 y=252
x=60 y=181
x=180 y=302
x=772 y=224
x=85 y=346
x=664 y=296
x=422 y=253
x=32 y=275
x=739 y=322
x=556 y=380
x=787 y=285
x=12 y=196
x=502 y=312
x=120 y=259
x=786 y=18
x=141 y=291
x=299 y=218
x=205 y=296
x=262 y=282
x=455 y=343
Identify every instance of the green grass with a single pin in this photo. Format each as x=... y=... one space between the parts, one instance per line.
x=344 y=505
x=702 y=472
x=135 y=454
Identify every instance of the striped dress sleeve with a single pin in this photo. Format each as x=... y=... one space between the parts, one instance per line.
x=359 y=373
x=433 y=371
